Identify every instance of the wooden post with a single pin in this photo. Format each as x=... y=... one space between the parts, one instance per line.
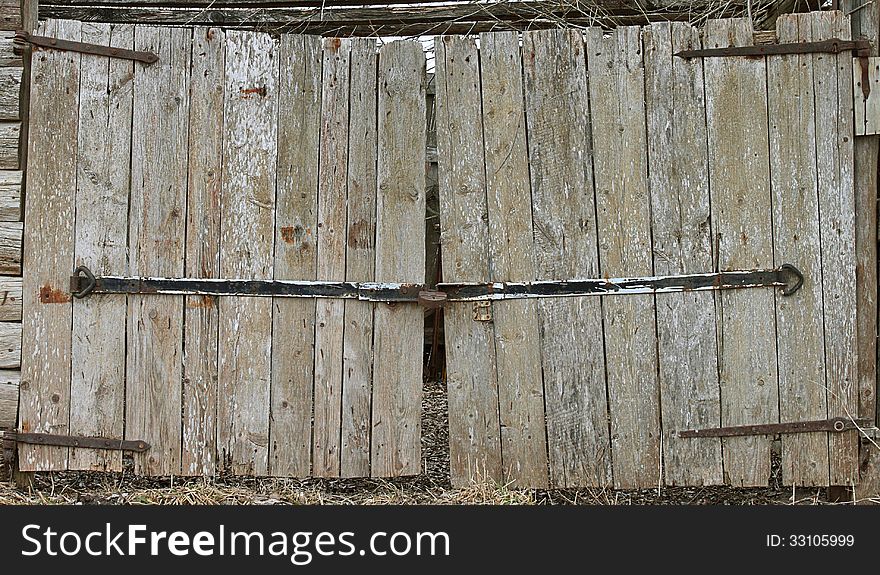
x=29 y=13
x=866 y=22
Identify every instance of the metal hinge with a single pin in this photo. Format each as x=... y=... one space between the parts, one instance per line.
x=833 y=425
x=84 y=283
x=830 y=46
x=22 y=37
x=75 y=441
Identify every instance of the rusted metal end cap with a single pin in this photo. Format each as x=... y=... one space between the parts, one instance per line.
x=432 y=298
x=792 y=277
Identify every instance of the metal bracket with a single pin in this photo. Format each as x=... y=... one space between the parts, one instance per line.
x=22 y=37
x=830 y=46
x=83 y=283
x=833 y=425
x=76 y=441
x=482 y=311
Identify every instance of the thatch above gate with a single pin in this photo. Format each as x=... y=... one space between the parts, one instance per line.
x=402 y=18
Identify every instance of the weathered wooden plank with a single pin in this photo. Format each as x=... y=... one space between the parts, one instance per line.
x=156 y=247
x=329 y=315
x=9 y=135
x=200 y=314
x=360 y=261
x=7 y=55
x=400 y=256
x=296 y=225
x=10 y=299
x=10 y=346
x=566 y=246
x=97 y=387
x=512 y=257
x=682 y=244
x=837 y=208
x=736 y=111
x=796 y=239
x=10 y=92
x=474 y=428
x=10 y=196
x=867 y=110
x=10 y=248
x=246 y=249
x=624 y=230
x=10 y=15
x=49 y=217
x=9 y=381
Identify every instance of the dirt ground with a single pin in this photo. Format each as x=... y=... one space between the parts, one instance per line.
x=431 y=487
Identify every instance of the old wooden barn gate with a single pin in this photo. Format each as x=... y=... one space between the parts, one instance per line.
x=242 y=156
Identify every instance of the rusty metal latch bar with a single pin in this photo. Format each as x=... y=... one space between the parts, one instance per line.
x=834 y=425
x=831 y=46
x=76 y=441
x=83 y=283
x=22 y=37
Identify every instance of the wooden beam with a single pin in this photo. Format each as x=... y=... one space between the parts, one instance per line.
x=9 y=398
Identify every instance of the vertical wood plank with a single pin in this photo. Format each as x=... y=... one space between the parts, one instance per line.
x=560 y=157
x=97 y=389
x=517 y=344
x=332 y=200
x=474 y=429
x=622 y=204
x=49 y=248
x=795 y=201
x=247 y=231
x=293 y=328
x=156 y=247
x=682 y=244
x=357 y=366
x=736 y=111
x=837 y=208
x=203 y=253
x=398 y=334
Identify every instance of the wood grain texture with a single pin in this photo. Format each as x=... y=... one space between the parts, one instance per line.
x=10 y=248
x=332 y=200
x=10 y=196
x=838 y=211
x=49 y=245
x=682 y=244
x=474 y=428
x=624 y=229
x=736 y=111
x=157 y=213
x=9 y=382
x=563 y=205
x=795 y=201
x=296 y=221
x=97 y=388
x=10 y=299
x=360 y=260
x=201 y=314
x=10 y=346
x=10 y=133
x=246 y=249
x=10 y=92
x=512 y=258
x=400 y=256
x=8 y=57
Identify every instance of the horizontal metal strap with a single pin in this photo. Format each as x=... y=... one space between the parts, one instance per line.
x=76 y=441
x=830 y=46
x=84 y=283
x=834 y=425
x=22 y=37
